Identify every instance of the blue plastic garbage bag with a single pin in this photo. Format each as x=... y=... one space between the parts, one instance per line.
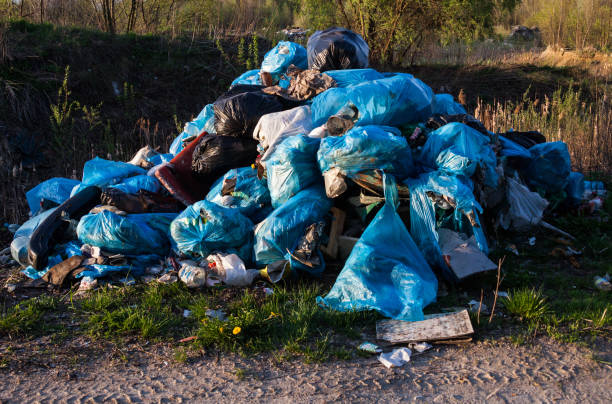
x=352 y=77
x=205 y=121
x=512 y=149
x=367 y=147
x=250 y=77
x=385 y=271
x=291 y=167
x=103 y=172
x=21 y=238
x=394 y=101
x=285 y=53
x=459 y=149
x=134 y=184
x=206 y=227
x=143 y=233
x=243 y=191
x=60 y=253
x=423 y=226
x=158 y=159
x=575 y=187
x=278 y=235
x=549 y=168
x=445 y=104
x=56 y=190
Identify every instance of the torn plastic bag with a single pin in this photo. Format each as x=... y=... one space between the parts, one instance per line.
x=285 y=53
x=445 y=104
x=279 y=234
x=337 y=48
x=134 y=184
x=275 y=127
x=144 y=233
x=549 y=168
x=394 y=101
x=102 y=173
x=575 y=187
x=449 y=191
x=250 y=77
x=204 y=122
x=49 y=193
x=206 y=227
x=21 y=238
x=215 y=155
x=236 y=115
x=352 y=77
x=525 y=208
x=385 y=270
x=241 y=189
x=291 y=167
x=459 y=149
x=366 y=148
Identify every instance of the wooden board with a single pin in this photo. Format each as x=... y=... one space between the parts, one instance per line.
x=436 y=327
x=337 y=227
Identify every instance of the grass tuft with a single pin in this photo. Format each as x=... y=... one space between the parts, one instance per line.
x=527 y=304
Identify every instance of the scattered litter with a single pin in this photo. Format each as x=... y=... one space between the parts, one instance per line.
x=475 y=306
x=512 y=248
x=532 y=241
x=188 y=339
x=186 y=313
x=603 y=283
x=370 y=347
x=435 y=327
x=420 y=347
x=11 y=287
x=502 y=294
x=398 y=357
x=218 y=314
x=192 y=275
x=167 y=278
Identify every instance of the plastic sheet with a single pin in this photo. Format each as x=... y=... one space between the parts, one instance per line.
x=275 y=127
x=278 y=235
x=549 y=168
x=54 y=190
x=459 y=149
x=145 y=233
x=394 y=101
x=205 y=227
x=292 y=167
x=423 y=226
x=385 y=270
x=204 y=122
x=250 y=77
x=365 y=148
x=445 y=104
x=352 y=77
x=101 y=172
x=285 y=53
x=241 y=189
x=337 y=48
x=134 y=184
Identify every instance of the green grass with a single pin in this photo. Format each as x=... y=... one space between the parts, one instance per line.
x=527 y=304
x=29 y=317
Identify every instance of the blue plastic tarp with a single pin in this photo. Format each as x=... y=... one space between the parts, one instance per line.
x=291 y=167
x=277 y=236
x=423 y=224
x=134 y=184
x=144 y=233
x=56 y=190
x=352 y=77
x=458 y=149
x=285 y=53
x=394 y=101
x=364 y=148
x=549 y=168
x=205 y=227
x=385 y=270
x=250 y=195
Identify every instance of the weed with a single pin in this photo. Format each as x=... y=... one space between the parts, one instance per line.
x=240 y=373
x=180 y=355
x=62 y=118
x=526 y=303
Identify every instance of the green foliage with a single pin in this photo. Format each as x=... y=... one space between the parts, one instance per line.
x=241 y=56
x=526 y=303
x=62 y=113
x=28 y=317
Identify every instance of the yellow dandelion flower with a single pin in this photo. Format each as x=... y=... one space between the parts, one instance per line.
x=221 y=329
x=236 y=330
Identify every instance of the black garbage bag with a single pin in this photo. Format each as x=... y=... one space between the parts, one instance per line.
x=337 y=48
x=526 y=139
x=438 y=120
x=215 y=155
x=237 y=114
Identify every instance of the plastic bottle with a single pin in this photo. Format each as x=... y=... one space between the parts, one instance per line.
x=191 y=274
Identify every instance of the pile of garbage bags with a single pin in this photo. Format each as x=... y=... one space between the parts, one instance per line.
x=314 y=157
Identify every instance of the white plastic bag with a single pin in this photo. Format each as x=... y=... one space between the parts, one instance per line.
x=231 y=269
x=526 y=207
x=273 y=128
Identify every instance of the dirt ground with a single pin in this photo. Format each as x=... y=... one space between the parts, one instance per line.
x=81 y=371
